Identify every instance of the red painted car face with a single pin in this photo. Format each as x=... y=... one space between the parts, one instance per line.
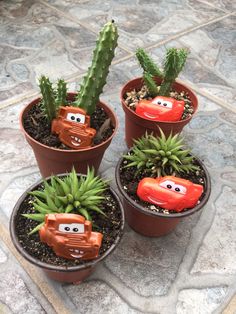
x=169 y=192
x=73 y=127
x=160 y=109
x=71 y=236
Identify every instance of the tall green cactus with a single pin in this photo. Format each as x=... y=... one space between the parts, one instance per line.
x=48 y=98
x=95 y=79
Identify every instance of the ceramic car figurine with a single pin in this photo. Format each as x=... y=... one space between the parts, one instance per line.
x=170 y=192
x=160 y=108
x=73 y=127
x=71 y=236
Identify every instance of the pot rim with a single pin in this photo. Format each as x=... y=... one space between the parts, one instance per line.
x=157 y=214
x=71 y=151
x=35 y=261
x=139 y=79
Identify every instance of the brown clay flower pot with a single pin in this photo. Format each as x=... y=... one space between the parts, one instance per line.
x=54 y=161
x=136 y=126
x=71 y=274
x=154 y=224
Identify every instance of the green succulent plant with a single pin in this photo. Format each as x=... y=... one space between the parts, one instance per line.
x=52 y=98
x=81 y=195
x=174 y=62
x=160 y=156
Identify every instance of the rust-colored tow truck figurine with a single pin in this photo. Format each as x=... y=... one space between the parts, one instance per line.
x=73 y=127
x=71 y=236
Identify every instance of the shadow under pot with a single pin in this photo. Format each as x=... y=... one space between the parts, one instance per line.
x=136 y=126
x=52 y=160
x=146 y=219
x=43 y=256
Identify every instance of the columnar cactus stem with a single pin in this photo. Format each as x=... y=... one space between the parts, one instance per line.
x=147 y=63
x=48 y=99
x=61 y=93
x=95 y=79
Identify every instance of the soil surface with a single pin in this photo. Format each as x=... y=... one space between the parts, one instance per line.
x=133 y=97
x=130 y=180
x=37 y=126
x=109 y=226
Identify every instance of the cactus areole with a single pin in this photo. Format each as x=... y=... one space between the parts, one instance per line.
x=95 y=79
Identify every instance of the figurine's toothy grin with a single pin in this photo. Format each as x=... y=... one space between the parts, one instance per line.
x=76 y=141
x=76 y=253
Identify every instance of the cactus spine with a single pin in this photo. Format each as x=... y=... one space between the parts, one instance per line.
x=48 y=99
x=95 y=79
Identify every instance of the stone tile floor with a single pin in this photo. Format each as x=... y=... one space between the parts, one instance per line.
x=192 y=270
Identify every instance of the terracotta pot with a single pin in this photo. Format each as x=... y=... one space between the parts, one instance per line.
x=136 y=126
x=54 y=161
x=154 y=224
x=71 y=274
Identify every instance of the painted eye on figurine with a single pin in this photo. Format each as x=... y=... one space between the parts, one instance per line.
x=76 y=117
x=71 y=228
x=170 y=185
x=163 y=103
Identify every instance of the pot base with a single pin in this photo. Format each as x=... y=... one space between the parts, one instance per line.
x=75 y=277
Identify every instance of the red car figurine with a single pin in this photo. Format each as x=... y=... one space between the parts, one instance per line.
x=170 y=192
x=71 y=236
x=73 y=127
x=160 y=108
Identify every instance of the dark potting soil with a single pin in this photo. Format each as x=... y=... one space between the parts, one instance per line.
x=133 y=97
x=130 y=180
x=109 y=226
x=37 y=126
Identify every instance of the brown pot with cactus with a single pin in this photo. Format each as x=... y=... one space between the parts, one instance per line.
x=161 y=182
x=157 y=100
x=73 y=129
x=67 y=224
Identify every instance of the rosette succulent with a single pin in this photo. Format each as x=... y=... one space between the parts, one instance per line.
x=160 y=156
x=81 y=195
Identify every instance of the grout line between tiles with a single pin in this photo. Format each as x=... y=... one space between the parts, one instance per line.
x=35 y=275
x=189 y=30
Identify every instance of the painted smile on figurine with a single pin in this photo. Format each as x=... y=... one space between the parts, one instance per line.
x=73 y=127
x=71 y=236
x=170 y=192
x=160 y=109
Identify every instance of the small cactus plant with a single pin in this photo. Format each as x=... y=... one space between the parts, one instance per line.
x=52 y=98
x=160 y=156
x=95 y=79
x=173 y=64
x=81 y=195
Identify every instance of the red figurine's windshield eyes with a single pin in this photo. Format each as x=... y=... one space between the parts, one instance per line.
x=71 y=228
x=163 y=103
x=76 y=117
x=170 y=185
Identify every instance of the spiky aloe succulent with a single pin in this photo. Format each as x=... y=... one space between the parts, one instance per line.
x=173 y=64
x=52 y=98
x=95 y=79
x=160 y=156
x=81 y=195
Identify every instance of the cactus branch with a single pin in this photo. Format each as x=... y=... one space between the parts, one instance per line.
x=151 y=84
x=48 y=99
x=61 y=93
x=95 y=79
x=147 y=63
